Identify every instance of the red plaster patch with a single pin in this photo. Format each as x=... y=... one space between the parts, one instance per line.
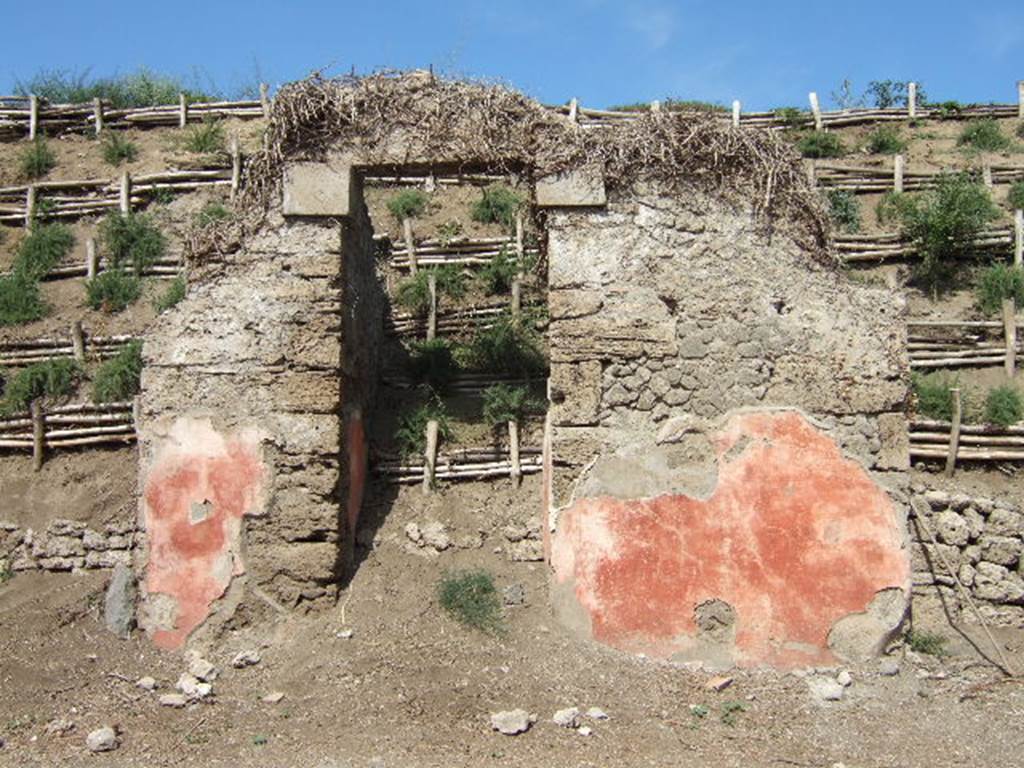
x=357 y=457
x=193 y=562
x=794 y=537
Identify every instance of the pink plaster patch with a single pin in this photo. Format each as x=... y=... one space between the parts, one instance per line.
x=794 y=538
x=194 y=502
x=357 y=458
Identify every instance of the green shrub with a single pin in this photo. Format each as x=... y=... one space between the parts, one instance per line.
x=1016 y=196
x=118 y=149
x=503 y=403
x=510 y=346
x=408 y=204
x=131 y=240
x=890 y=207
x=820 y=144
x=471 y=598
x=20 y=301
x=448 y=231
x=411 y=435
x=792 y=117
x=498 y=204
x=934 y=395
x=113 y=290
x=413 y=293
x=118 y=378
x=1003 y=406
x=37 y=159
x=142 y=88
x=886 y=94
x=206 y=137
x=432 y=363
x=44 y=248
x=886 y=140
x=947 y=109
x=942 y=223
x=213 y=212
x=997 y=283
x=497 y=275
x=692 y=105
x=984 y=135
x=931 y=643
x=50 y=378
x=174 y=293
x=844 y=210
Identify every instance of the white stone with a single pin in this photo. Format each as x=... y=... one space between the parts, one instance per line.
x=173 y=700
x=245 y=659
x=596 y=713
x=825 y=689
x=146 y=683
x=584 y=730
x=845 y=679
x=512 y=722
x=567 y=718
x=273 y=698
x=201 y=669
x=102 y=740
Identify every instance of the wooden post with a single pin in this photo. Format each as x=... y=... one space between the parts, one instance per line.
x=182 y=110
x=78 y=340
x=30 y=205
x=811 y=166
x=1018 y=239
x=816 y=110
x=954 y=433
x=911 y=100
x=1010 y=332
x=97 y=112
x=236 y=166
x=410 y=246
x=432 y=317
x=38 y=434
x=736 y=113
x=430 y=456
x=265 y=99
x=516 y=471
x=91 y=262
x=517 y=296
x=126 y=192
x=574 y=108
x=986 y=175
x=898 y=164
x=1020 y=99
x=33 y=116
x=655 y=106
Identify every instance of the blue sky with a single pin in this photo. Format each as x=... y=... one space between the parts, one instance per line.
x=766 y=53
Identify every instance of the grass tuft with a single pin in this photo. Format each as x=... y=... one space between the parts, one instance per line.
x=497 y=275
x=413 y=293
x=997 y=283
x=886 y=140
x=921 y=641
x=844 y=210
x=411 y=434
x=498 y=204
x=408 y=204
x=50 y=378
x=131 y=240
x=37 y=159
x=503 y=403
x=118 y=149
x=933 y=394
x=117 y=379
x=213 y=212
x=471 y=598
x=142 y=88
x=172 y=296
x=112 y=291
x=1004 y=406
x=20 y=301
x=510 y=346
x=43 y=249
x=206 y=137
x=432 y=363
x=984 y=135
x=1016 y=195
x=819 y=145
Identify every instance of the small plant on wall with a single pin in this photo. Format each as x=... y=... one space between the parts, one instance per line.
x=408 y=204
x=498 y=204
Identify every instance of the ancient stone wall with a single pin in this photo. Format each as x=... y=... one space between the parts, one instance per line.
x=65 y=545
x=682 y=337
x=251 y=435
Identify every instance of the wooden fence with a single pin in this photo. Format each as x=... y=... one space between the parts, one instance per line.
x=953 y=442
x=78 y=344
x=854 y=249
x=875 y=179
x=964 y=343
x=462 y=464
x=67 y=426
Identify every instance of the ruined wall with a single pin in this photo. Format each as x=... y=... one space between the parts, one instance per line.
x=65 y=545
x=678 y=487
x=251 y=435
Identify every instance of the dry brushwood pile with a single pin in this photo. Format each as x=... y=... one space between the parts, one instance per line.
x=490 y=126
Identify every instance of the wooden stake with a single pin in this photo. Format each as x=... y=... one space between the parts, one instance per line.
x=78 y=340
x=811 y=166
x=236 y=166
x=517 y=296
x=182 y=110
x=38 y=434
x=736 y=113
x=410 y=246
x=655 y=106
x=516 y=471
x=574 y=108
x=432 y=317
x=954 y=433
x=265 y=99
x=91 y=262
x=30 y=205
x=126 y=192
x=816 y=110
x=898 y=164
x=33 y=116
x=430 y=456
x=986 y=175
x=1018 y=240
x=911 y=100
x=97 y=112
x=1010 y=331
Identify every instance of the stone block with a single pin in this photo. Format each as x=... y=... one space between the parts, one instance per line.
x=577 y=188
x=576 y=393
x=317 y=189
x=892 y=431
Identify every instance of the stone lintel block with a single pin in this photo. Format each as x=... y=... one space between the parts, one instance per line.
x=318 y=189
x=576 y=188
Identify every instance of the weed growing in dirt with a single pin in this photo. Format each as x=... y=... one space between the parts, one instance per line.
x=37 y=159
x=163 y=195
x=413 y=293
x=112 y=291
x=497 y=275
x=131 y=240
x=890 y=207
x=118 y=378
x=700 y=711
x=173 y=295
x=43 y=249
x=411 y=434
x=820 y=145
x=511 y=346
x=791 y=117
x=448 y=231
x=997 y=283
x=729 y=711
x=933 y=394
x=984 y=135
x=142 y=88
x=503 y=403
x=408 y=204
x=1004 y=406
x=20 y=301
x=922 y=641
x=498 y=204
x=844 y=210
x=118 y=149
x=213 y=212
x=50 y=378
x=432 y=363
x=5 y=572
x=886 y=141
x=1016 y=195
x=206 y=137
x=471 y=598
